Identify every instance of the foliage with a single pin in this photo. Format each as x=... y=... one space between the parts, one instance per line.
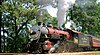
x=89 y=18
x=16 y=15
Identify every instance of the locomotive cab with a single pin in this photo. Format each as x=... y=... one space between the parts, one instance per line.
x=80 y=40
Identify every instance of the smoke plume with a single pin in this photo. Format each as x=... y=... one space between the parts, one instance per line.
x=62 y=6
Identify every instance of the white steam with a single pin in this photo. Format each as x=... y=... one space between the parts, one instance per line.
x=62 y=6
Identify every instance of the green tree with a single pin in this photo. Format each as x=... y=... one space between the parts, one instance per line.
x=16 y=15
x=89 y=17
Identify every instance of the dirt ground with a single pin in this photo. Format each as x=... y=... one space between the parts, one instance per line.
x=74 y=53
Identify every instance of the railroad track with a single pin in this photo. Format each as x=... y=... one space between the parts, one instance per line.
x=74 y=53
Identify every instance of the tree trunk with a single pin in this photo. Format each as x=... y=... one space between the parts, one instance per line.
x=0 y=24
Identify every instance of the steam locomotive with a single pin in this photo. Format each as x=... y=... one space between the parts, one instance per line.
x=49 y=40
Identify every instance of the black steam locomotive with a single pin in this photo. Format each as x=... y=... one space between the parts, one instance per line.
x=50 y=40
